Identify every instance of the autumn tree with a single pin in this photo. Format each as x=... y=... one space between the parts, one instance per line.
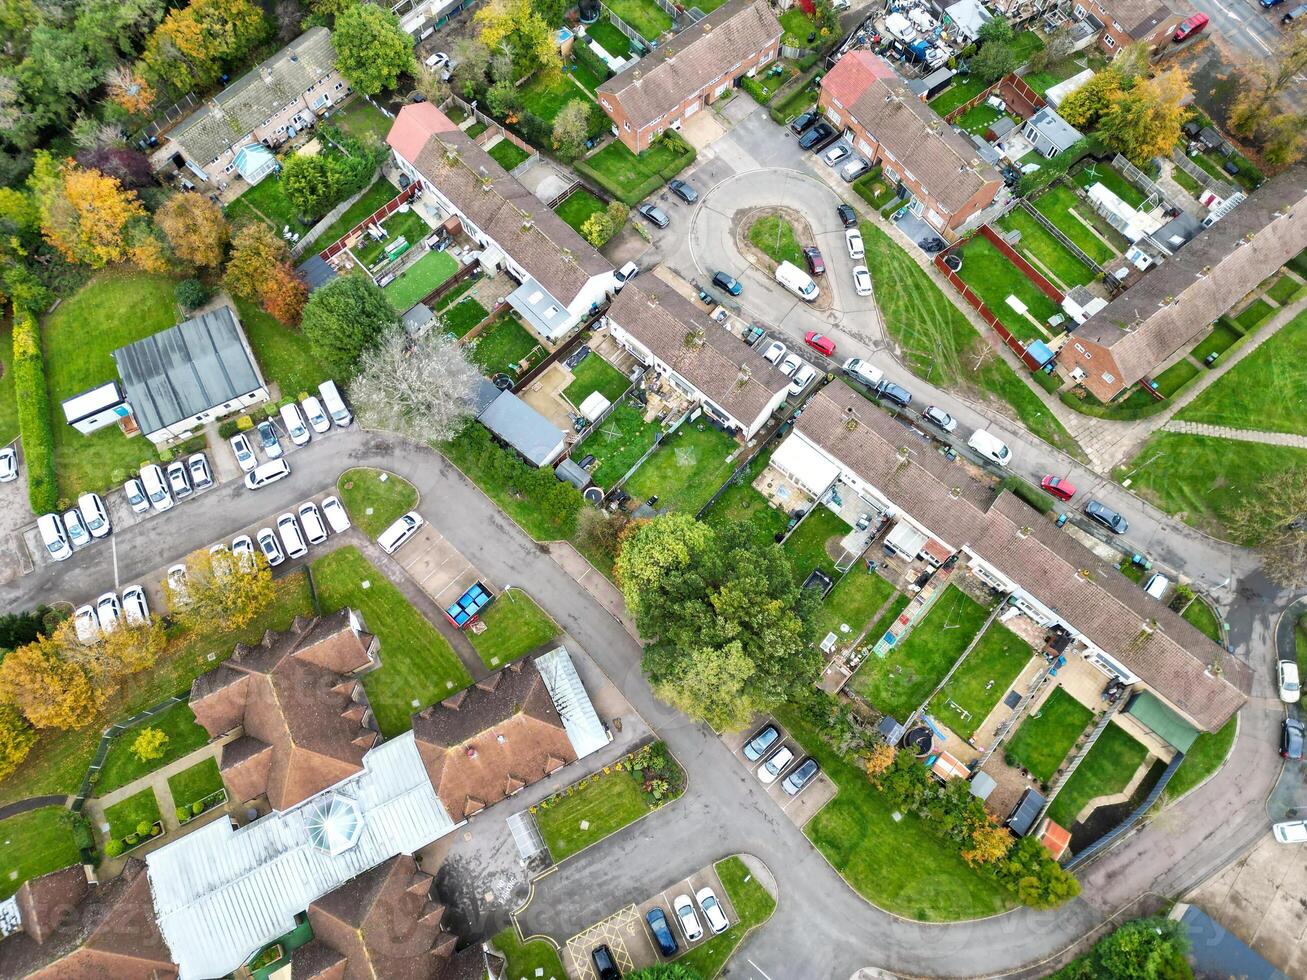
x=221 y=589
x=1257 y=112
x=344 y=318
x=990 y=842
x=188 y=50
x=129 y=90
x=879 y=759
x=84 y=214
x=46 y=685
x=418 y=388
x=195 y=227
x=149 y=744
x=597 y=229
x=598 y=531
x=133 y=647
x=1086 y=105
x=530 y=38
x=372 y=50
x=1144 y=121
x=471 y=60
x=430 y=85
x=16 y=738
x=571 y=128
x=259 y=269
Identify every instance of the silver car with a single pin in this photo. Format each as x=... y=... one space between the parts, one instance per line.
x=683 y=910
x=178 y=480
x=109 y=611
x=319 y=419
x=268 y=439
x=201 y=478
x=78 y=536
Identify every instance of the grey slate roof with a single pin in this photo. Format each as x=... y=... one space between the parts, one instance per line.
x=190 y=368
x=523 y=428
x=267 y=88
x=1054 y=128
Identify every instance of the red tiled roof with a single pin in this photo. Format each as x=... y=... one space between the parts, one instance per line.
x=414 y=125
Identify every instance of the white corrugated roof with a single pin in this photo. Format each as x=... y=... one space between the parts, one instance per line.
x=811 y=468
x=221 y=894
x=584 y=729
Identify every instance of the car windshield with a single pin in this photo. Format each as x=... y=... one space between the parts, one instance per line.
x=55 y=547
x=158 y=495
x=94 y=522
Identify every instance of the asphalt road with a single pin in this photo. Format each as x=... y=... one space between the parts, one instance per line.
x=1252 y=30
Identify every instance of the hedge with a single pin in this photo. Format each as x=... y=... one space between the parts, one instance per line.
x=34 y=413
x=584 y=56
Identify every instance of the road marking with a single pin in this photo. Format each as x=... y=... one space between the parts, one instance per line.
x=759 y=969
x=113 y=544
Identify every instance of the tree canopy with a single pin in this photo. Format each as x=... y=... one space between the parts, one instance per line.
x=527 y=35
x=346 y=317
x=372 y=50
x=195 y=227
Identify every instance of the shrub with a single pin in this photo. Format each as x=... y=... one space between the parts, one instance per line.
x=191 y=294
x=183 y=814
x=244 y=423
x=149 y=744
x=113 y=848
x=156 y=830
x=197 y=808
x=34 y=412
x=228 y=428
x=143 y=829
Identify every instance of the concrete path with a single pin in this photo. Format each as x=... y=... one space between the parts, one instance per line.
x=1242 y=435
x=158 y=781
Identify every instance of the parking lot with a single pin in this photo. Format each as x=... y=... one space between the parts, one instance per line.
x=437 y=566
x=626 y=933
x=801 y=807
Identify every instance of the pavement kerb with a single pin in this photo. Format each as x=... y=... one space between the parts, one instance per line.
x=383 y=432
x=530 y=895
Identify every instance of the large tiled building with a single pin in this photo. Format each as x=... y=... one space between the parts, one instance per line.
x=1145 y=328
x=691 y=71
x=940 y=170
x=1127 y=22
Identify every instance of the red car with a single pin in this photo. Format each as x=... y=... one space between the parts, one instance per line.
x=1190 y=26
x=816 y=265
x=1058 y=487
x=820 y=343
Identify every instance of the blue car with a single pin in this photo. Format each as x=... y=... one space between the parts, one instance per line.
x=657 y=920
x=727 y=282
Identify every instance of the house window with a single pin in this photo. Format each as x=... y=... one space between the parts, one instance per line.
x=1109 y=40
x=1051 y=152
x=1081 y=350
x=339 y=86
x=626 y=126
x=1080 y=12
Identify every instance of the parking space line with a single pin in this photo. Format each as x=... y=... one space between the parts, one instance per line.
x=760 y=970
x=113 y=542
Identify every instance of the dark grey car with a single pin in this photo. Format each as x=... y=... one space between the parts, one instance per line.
x=1102 y=514
x=683 y=190
x=806 y=772
x=655 y=215
x=895 y=393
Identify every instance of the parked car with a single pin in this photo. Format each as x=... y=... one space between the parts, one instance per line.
x=156 y=486
x=820 y=343
x=800 y=777
x=800 y=124
x=137 y=500
x=242 y=549
x=334 y=511
x=393 y=537
x=654 y=215
x=686 y=918
x=1292 y=732
x=1060 y=488
x=816 y=264
x=270 y=546
x=848 y=217
x=790 y=365
x=108 y=611
x=268 y=439
x=683 y=190
x=819 y=137
x=625 y=274
x=757 y=747
x=854 y=169
x=774 y=352
x=244 y=452
x=311 y=520
x=727 y=282
x=318 y=418
x=335 y=405
x=1286 y=676
x=775 y=765
x=861 y=280
x=177 y=581
x=296 y=426
x=990 y=447
x=1191 y=25
x=932 y=244
x=94 y=514
x=853 y=239
x=662 y=934
x=712 y=910
x=863 y=371
x=86 y=624
x=1291 y=831
x=802 y=378
x=835 y=154
x=201 y=476
x=895 y=393
x=605 y=968
x=135 y=608
x=1100 y=513
x=8 y=464
x=178 y=482
x=266 y=473
x=54 y=536
x=939 y=418
x=78 y=536
x=292 y=538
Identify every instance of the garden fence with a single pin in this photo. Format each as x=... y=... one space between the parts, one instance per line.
x=164 y=119
x=631 y=33
x=627 y=395
x=1143 y=182
x=1112 y=836
x=796 y=54
x=1214 y=184
x=107 y=738
x=1028 y=270
x=1013 y=88
x=1068 y=244
x=561 y=196
x=977 y=304
x=328 y=219
x=686 y=416
x=772 y=436
x=671 y=10
x=383 y=212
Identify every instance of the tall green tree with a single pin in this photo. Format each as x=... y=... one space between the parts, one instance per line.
x=372 y=51
x=344 y=318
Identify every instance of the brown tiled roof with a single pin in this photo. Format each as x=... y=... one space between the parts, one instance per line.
x=534 y=236
x=1174 y=303
x=661 y=319
x=1139 y=18
x=111 y=933
x=1171 y=656
x=382 y=925
x=696 y=57
x=501 y=732
x=944 y=163
x=307 y=724
x=45 y=902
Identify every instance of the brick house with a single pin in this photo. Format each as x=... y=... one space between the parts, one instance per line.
x=1145 y=328
x=1127 y=22
x=257 y=112
x=890 y=126
x=693 y=70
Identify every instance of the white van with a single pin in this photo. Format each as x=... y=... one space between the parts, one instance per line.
x=266 y=473
x=392 y=537
x=296 y=427
x=796 y=281
x=860 y=370
x=991 y=447
x=334 y=404
x=1157 y=585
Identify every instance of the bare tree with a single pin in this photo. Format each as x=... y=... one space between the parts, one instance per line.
x=1276 y=523
x=424 y=388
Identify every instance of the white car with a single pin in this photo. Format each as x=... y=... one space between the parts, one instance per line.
x=270 y=546
x=1291 y=832
x=156 y=487
x=94 y=514
x=712 y=910
x=244 y=453
x=334 y=511
x=53 y=536
x=835 y=154
x=201 y=476
x=625 y=274
x=266 y=473
x=179 y=480
x=86 y=624
x=296 y=428
x=8 y=464
x=861 y=280
x=291 y=536
x=683 y=909
x=775 y=765
x=78 y=536
x=404 y=528
x=1286 y=673
x=311 y=520
x=774 y=352
x=242 y=549
x=802 y=378
x=135 y=608
x=853 y=239
x=790 y=365
x=137 y=499
x=220 y=560
x=109 y=611
x=318 y=419
x=177 y=583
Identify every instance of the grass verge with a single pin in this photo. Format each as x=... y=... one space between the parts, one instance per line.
x=753 y=906
x=1205 y=756
x=35 y=843
x=534 y=959
x=375 y=499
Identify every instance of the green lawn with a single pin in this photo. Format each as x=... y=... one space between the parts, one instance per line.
x=1112 y=179
x=1060 y=205
x=1205 y=756
x=1042 y=81
x=940 y=344
x=854 y=600
x=993 y=278
x=644 y=15
x=595 y=374
x=618 y=442
x=1025 y=44
x=806 y=544
x=1223 y=336
x=741 y=504
x=898 y=865
x=504 y=345
x=633 y=177
x=547 y=99
x=764 y=85
x=408 y=225
x=1253 y=314
x=373 y=199
x=463 y=316
x=898 y=683
x=420 y=279
x=797 y=26
x=199 y=782
x=687 y=469
x=979 y=118
x=534 y=959
x=1188 y=183
x=515 y=625
x=266 y=201
x=578 y=206
x=1199 y=615
x=963 y=90
x=121 y=766
x=1204 y=480
x=418 y=666
x=1267 y=390
x=475 y=130
x=753 y=905
x=1285 y=290
x=35 y=843
x=605 y=802
x=1176 y=376
x=283 y=352
x=361 y=118
x=373 y=504
x=609 y=37
x=982 y=680
x=1042 y=250
x=507 y=154
x=775 y=237
x=1046 y=736
x=1107 y=769
x=125 y=816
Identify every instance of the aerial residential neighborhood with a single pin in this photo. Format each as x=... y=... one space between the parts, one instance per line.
x=760 y=489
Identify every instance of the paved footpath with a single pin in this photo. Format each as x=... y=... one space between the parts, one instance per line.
x=1242 y=435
